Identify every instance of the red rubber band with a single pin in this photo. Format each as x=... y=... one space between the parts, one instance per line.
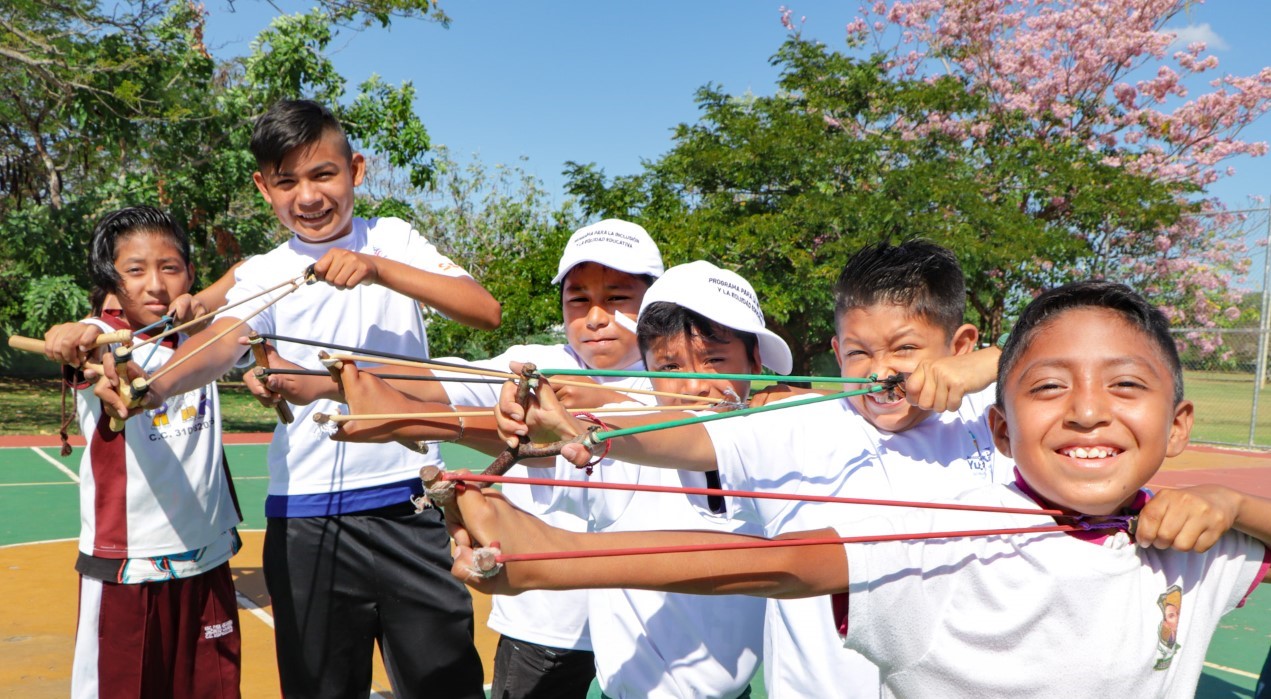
x=588 y=417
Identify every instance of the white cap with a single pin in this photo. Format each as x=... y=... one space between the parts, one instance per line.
x=724 y=297
x=614 y=243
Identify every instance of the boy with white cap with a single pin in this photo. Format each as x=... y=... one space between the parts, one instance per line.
x=899 y=309
x=544 y=649
x=702 y=319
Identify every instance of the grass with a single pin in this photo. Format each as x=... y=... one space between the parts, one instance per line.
x=33 y=407
x=1223 y=404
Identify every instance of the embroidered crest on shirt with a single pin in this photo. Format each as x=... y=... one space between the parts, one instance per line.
x=1171 y=602
x=980 y=461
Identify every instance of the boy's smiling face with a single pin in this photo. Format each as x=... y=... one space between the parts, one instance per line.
x=1089 y=411
x=886 y=339
x=311 y=190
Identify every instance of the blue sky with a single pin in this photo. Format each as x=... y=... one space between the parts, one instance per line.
x=605 y=82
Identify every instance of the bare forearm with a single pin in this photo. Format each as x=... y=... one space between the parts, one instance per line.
x=420 y=390
x=1254 y=517
x=206 y=362
x=783 y=572
x=461 y=299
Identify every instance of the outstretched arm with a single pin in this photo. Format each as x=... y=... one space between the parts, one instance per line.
x=205 y=364
x=366 y=393
x=461 y=299
x=688 y=447
x=1193 y=519
x=801 y=571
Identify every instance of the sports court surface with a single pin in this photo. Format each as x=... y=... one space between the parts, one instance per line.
x=39 y=520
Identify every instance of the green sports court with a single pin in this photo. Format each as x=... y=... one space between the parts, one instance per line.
x=39 y=521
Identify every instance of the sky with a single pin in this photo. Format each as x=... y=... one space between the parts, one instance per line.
x=606 y=81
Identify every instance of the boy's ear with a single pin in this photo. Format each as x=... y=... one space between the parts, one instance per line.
x=756 y=364
x=965 y=339
x=838 y=360
x=357 y=164
x=1000 y=430
x=259 y=180
x=1180 y=430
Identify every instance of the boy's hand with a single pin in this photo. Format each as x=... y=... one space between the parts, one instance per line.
x=489 y=520
x=367 y=393
x=941 y=384
x=295 y=389
x=186 y=308
x=70 y=343
x=545 y=421
x=344 y=269
x=1188 y=519
x=107 y=389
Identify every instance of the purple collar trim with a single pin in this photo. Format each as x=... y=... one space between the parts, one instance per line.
x=1093 y=528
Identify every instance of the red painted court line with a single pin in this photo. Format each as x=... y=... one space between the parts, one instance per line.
x=52 y=440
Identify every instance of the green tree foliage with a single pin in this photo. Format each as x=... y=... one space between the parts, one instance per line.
x=784 y=188
x=499 y=222
x=108 y=105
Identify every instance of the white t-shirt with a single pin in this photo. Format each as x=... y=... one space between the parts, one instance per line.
x=828 y=449
x=160 y=487
x=657 y=644
x=1037 y=615
x=545 y=617
x=305 y=465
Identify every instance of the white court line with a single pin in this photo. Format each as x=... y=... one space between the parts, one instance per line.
x=23 y=485
x=1232 y=670
x=256 y=611
x=56 y=464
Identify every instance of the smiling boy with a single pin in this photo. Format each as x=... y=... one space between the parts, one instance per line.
x=699 y=320
x=345 y=550
x=898 y=309
x=544 y=648
x=1089 y=405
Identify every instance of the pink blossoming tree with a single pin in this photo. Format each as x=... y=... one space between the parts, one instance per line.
x=1109 y=77
x=1018 y=133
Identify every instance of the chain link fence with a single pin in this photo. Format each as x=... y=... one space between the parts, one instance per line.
x=1226 y=369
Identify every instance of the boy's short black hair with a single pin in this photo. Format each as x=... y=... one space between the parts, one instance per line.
x=917 y=274
x=663 y=319
x=1095 y=293
x=117 y=225
x=292 y=124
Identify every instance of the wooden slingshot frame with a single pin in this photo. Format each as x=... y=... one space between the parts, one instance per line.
x=441 y=492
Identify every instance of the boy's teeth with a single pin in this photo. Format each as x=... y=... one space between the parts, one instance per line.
x=1090 y=452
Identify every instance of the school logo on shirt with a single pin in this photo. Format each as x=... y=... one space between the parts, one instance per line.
x=189 y=411
x=1171 y=602
x=980 y=460
x=224 y=628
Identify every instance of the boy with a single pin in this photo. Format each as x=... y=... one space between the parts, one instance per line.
x=898 y=309
x=347 y=560
x=157 y=611
x=544 y=647
x=702 y=319
x=1089 y=405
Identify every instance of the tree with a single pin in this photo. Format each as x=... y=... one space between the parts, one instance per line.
x=1031 y=178
x=499 y=222
x=113 y=105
